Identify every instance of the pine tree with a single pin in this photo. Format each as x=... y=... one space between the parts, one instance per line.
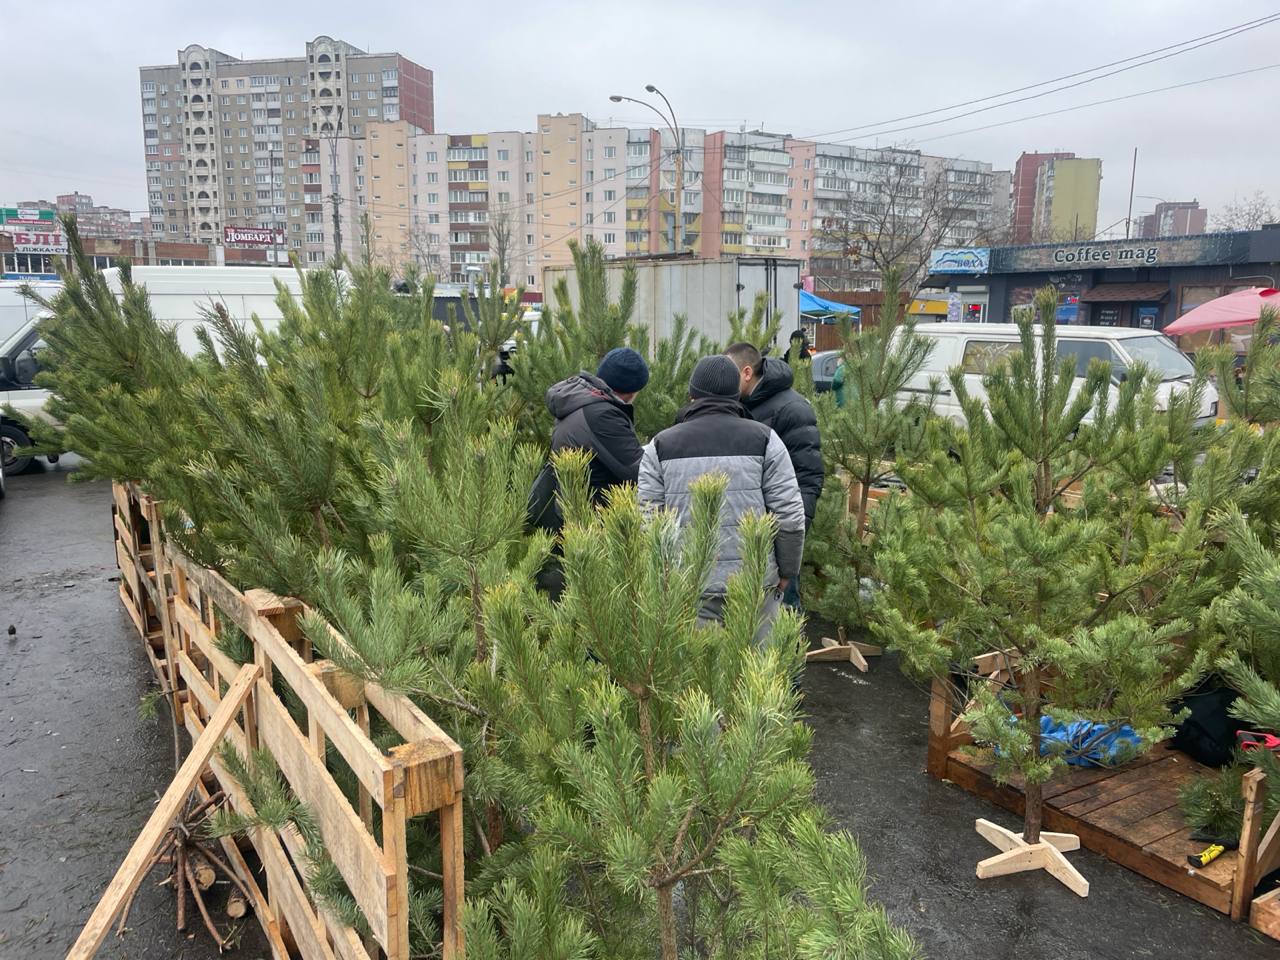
x=859 y=443
x=660 y=752
x=760 y=328
x=1085 y=602
x=1251 y=394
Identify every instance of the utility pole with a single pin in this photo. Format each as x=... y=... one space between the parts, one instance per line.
x=276 y=236
x=334 y=196
x=1133 y=176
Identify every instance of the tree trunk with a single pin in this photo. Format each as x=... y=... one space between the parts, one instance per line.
x=1033 y=793
x=667 y=923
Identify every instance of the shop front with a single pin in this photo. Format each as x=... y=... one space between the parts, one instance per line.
x=1118 y=283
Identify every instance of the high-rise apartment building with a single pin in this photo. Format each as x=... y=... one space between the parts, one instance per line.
x=1023 y=199
x=231 y=142
x=1066 y=204
x=1173 y=218
x=451 y=204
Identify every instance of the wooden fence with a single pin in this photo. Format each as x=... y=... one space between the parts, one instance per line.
x=189 y=610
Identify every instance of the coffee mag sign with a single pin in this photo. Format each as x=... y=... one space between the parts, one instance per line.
x=1204 y=249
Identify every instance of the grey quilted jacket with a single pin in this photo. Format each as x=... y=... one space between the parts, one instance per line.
x=715 y=434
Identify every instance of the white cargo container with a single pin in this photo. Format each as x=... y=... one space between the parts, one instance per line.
x=705 y=291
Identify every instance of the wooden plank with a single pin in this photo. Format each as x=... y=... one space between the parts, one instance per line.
x=1126 y=783
x=939 y=729
x=365 y=760
x=407 y=719
x=224 y=596
x=1264 y=915
x=395 y=852
x=1173 y=850
x=1269 y=849
x=129 y=875
x=354 y=852
x=200 y=635
x=451 y=869
x=123 y=533
x=431 y=772
x=1254 y=788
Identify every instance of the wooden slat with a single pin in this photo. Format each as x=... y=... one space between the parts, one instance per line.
x=353 y=851
x=225 y=597
x=1265 y=914
x=365 y=760
x=129 y=875
x=1254 y=788
x=200 y=635
x=452 y=871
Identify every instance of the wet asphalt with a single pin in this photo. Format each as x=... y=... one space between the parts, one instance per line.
x=79 y=773
x=79 y=770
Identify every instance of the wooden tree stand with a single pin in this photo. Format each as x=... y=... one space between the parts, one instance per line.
x=1018 y=856
x=854 y=651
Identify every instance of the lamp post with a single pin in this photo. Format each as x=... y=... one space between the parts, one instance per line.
x=673 y=125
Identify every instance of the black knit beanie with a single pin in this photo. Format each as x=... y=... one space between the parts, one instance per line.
x=714 y=376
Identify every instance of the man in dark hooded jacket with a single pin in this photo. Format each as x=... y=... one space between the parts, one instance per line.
x=593 y=413
x=765 y=384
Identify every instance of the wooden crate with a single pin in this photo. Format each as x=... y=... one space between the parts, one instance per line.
x=181 y=609
x=1129 y=814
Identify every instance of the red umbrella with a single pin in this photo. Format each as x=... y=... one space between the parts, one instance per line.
x=1236 y=309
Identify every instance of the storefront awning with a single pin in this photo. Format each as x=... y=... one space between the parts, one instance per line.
x=1126 y=293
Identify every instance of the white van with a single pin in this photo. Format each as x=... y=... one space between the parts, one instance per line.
x=977 y=348
x=179 y=295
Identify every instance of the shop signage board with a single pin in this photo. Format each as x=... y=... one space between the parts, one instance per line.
x=964 y=260
x=1210 y=248
x=28 y=216
x=38 y=241
x=252 y=236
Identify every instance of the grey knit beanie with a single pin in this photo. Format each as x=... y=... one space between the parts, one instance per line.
x=714 y=376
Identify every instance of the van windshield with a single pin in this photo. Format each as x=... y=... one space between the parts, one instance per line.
x=1160 y=356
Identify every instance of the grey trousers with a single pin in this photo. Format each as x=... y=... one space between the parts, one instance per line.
x=712 y=610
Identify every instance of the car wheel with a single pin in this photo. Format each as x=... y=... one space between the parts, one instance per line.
x=14 y=450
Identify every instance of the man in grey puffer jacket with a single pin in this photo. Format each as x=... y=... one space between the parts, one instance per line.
x=713 y=433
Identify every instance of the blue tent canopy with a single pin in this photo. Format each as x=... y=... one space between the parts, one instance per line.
x=814 y=306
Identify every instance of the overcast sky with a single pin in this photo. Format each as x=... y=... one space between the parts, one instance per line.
x=72 y=117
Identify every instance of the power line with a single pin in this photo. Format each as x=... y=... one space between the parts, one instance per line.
x=1217 y=36
x=1097 y=103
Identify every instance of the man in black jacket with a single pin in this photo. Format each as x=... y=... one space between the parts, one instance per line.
x=768 y=396
x=593 y=413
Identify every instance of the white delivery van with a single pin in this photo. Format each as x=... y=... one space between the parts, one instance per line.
x=977 y=348
x=179 y=296
x=15 y=309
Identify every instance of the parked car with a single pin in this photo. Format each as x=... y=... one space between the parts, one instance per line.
x=179 y=296
x=977 y=348
x=824 y=369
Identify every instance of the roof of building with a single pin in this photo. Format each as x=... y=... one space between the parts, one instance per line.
x=1126 y=293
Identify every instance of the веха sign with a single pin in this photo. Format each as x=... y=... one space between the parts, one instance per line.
x=252 y=236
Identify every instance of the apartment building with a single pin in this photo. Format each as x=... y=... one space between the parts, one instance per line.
x=1023 y=199
x=225 y=139
x=1173 y=218
x=1066 y=199
x=451 y=204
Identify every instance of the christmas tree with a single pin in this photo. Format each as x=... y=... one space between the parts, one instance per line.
x=1081 y=600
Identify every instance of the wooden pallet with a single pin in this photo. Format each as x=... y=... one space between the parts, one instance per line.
x=1130 y=815
x=181 y=609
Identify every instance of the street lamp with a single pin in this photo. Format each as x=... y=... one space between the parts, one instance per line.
x=673 y=125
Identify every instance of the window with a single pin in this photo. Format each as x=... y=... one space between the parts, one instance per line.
x=610 y=238
x=503 y=176
x=610 y=152
x=504 y=197
x=610 y=173
x=431 y=156
x=610 y=217
x=148 y=86
x=1086 y=350
x=433 y=217
x=355 y=94
x=504 y=154
x=528 y=156
x=984 y=356
x=528 y=239
x=388 y=76
x=433 y=198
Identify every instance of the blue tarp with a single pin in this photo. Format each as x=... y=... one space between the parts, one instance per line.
x=812 y=305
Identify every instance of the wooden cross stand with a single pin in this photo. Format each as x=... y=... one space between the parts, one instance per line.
x=1018 y=856
x=853 y=651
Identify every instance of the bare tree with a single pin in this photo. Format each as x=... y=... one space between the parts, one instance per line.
x=501 y=242
x=895 y=215
x=425 y=248
x=1248 y=213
